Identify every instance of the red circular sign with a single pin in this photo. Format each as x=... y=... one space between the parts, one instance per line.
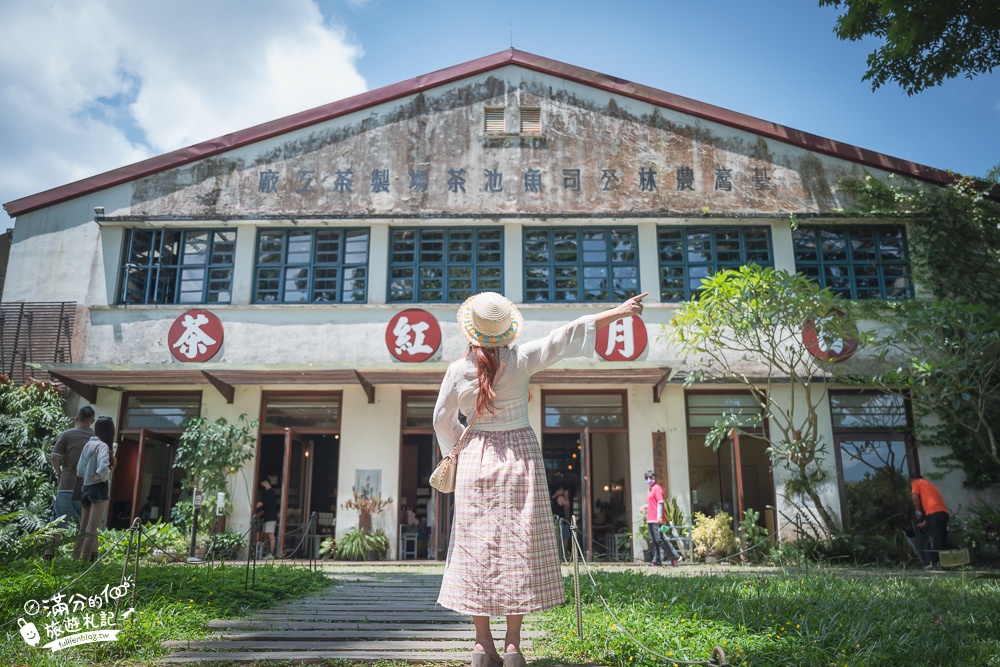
x=195 y=336
x=830 y=348
x=413 y=335
x=623 y=340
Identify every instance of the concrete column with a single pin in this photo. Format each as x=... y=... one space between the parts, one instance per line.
x=378 y=262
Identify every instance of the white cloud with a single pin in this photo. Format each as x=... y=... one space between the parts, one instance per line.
x=91 y=86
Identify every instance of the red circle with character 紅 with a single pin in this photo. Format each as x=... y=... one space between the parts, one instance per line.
x=195 y=336
x=413 y=335
x=622 y=340
x=826 y=346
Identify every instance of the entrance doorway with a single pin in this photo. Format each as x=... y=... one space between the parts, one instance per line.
x=585 y=450
x=145 y=483
x=716 y=484
x=425 y=514
x=299 y=453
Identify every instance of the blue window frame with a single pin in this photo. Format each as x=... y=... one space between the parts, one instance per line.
x=689 y=254
x=172 y=266
x=311 y=266
x=444 y=264
x=580 y=263
x=856 y=261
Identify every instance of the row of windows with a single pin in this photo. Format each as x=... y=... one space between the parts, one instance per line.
x=561 y=265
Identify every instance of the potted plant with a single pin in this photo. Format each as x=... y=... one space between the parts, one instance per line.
x=327 y=548
x=713 y=536
x=366 y=503
x=227 y=545
x=167 y=541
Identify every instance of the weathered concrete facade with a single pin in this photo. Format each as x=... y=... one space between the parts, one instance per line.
x=575 y=150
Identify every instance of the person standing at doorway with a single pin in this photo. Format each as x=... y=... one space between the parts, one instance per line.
x=65 y=456
x=932 y=517
x=267 y=505
x=661 y=546
x=503 y=559
x=96 y=462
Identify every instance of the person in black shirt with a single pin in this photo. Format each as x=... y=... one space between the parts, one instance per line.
x=267 y=508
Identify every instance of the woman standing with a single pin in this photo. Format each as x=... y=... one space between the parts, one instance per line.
x=503 y=559
x=94 y=468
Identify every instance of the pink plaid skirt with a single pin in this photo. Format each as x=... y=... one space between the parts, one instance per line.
x=503 y=558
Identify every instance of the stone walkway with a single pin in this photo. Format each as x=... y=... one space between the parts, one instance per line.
x=365 y=617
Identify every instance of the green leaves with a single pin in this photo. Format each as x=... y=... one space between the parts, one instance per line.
x=210 y=451
x=746 y=327
x=924 y=42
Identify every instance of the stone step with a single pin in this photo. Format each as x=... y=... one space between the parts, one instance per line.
x=252 y=657
x=305 y=634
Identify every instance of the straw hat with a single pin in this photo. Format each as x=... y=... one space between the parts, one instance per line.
x=489 y=319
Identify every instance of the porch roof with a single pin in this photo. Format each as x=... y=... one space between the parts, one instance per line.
x=86 y=380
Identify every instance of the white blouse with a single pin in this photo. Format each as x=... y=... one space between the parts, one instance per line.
x=461 y=381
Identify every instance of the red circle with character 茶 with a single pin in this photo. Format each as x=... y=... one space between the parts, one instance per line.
x=195 y=336
x=827 y=348
x=413 y=335
x=622 y=340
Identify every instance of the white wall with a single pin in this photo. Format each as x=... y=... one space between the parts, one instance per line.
x=369 y=439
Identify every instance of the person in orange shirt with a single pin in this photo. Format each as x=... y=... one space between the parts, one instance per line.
x=932 y=517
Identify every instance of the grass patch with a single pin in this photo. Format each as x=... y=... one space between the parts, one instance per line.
x=822 y=619
x=172 y=602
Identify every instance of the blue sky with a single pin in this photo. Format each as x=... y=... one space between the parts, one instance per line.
x=88 y=87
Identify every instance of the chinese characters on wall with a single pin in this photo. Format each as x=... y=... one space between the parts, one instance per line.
x=461 y=180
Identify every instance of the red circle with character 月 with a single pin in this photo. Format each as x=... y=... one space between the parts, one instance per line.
x=622 y=340
x=195 y=336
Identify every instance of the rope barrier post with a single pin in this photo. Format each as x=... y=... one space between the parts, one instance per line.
x=313 y=547
x=251 y=550
x=196 y=505
x=138 y=554
x=576 y=584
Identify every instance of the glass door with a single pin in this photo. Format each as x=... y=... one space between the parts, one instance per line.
x=296 y=487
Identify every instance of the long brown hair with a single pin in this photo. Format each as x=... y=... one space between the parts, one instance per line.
x=487 y=363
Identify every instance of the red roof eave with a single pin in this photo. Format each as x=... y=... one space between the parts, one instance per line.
x=441 y=77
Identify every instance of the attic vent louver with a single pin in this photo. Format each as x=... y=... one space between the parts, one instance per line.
x=494 y=123
x=531 y=120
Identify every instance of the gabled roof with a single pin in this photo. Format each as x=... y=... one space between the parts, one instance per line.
x=587 y=77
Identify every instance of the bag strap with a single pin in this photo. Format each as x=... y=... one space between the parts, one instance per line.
x=468 y=422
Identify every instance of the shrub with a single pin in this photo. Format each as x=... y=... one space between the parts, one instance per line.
x=713 y=536
x=754 y=536
x=227 y=545
x=31 y=417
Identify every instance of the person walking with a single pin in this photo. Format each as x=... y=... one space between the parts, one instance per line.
x=658 y=542
x=94 y=468
x=932 y=517
x=503 y=559
x=267 y=506
x=67 y=507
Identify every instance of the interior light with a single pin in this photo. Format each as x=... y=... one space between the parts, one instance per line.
x=574 y=455
x=569 y=467
x=607 y=488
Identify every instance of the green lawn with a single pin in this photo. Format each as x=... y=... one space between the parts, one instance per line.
x=172 y=602
x=822 y=617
